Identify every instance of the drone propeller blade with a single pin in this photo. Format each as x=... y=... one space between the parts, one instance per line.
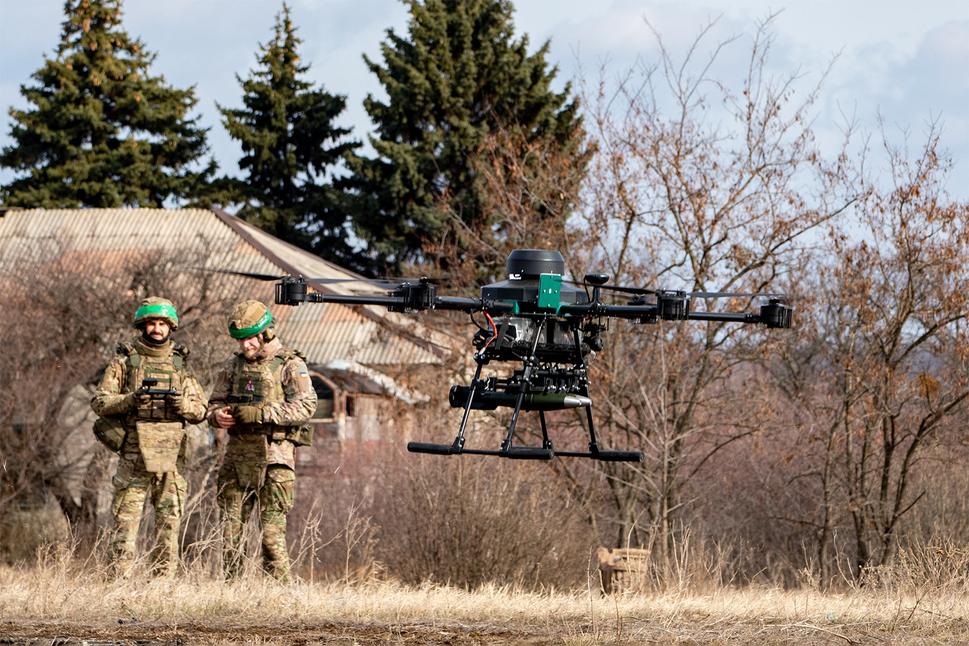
x=333 y=281
x=615 y=288
x=400 y=280
x=639 y=291
x=734 y=295
x=244 y=274
x=383 y=283
x=642 y=291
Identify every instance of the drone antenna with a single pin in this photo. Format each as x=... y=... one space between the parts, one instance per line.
x=597 y=281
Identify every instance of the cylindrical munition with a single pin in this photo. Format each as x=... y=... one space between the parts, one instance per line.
x=490 y=400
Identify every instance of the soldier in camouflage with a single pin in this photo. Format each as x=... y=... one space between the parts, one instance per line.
x=263 y=397
x=146 y=396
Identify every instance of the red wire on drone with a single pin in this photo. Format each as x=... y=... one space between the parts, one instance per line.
x=493 y=327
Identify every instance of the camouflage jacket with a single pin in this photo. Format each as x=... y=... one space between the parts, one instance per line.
x=278 y=382
x=125 y=374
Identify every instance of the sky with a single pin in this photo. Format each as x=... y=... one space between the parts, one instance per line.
x=905 y=61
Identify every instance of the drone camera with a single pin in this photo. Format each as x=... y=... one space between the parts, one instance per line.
x=290 y=291
x=594 y=342
x=593 y=336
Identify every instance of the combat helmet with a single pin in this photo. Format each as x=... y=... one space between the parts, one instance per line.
x=154 y=307
x=248 y=319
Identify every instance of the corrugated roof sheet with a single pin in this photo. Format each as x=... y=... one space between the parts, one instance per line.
x=106 y=239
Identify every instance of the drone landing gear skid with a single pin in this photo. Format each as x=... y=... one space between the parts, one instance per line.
x=526 y=396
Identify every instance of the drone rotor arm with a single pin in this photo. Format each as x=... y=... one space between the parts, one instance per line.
x=735 y=317
x=614 y=311
x=458 y=304
x=735 y=295
x=464 y=304
x=773 y=315
x=409 y=297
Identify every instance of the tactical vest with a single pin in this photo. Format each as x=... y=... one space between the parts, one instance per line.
x=168 y=371
x=261 y=383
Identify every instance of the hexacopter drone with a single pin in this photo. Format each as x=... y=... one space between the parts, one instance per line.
x=547 y=324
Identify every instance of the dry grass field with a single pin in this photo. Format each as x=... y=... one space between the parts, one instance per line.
x=57 y=602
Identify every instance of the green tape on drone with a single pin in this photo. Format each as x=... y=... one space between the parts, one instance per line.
x=155 y=311
x=252 y=330
x=550 y=292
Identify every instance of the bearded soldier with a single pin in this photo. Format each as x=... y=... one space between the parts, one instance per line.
x=263 y=397
x=146 y=396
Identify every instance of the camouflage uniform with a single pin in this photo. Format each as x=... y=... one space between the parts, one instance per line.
x=152 y=451
x=259 y=460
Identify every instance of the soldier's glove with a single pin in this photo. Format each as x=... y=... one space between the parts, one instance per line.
x=136 y=399
x=174 y=400
x=248 y=414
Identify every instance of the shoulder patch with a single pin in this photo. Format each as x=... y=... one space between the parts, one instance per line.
x=299 y=367
x=288 y=354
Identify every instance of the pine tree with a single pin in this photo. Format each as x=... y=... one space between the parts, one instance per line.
x=457 y=77
x=290 y=146
x=102 y=131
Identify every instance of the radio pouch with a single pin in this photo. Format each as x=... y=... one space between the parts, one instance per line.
x=300 y=435
x=110 y=432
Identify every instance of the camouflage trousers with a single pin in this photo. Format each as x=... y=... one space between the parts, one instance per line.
x=236 y=502
x=132 y=486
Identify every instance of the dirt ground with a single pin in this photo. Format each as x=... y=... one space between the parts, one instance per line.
x=62 y=604
x=633 y=632
x=150 y=635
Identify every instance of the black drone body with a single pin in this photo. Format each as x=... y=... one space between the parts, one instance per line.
x=550 y=327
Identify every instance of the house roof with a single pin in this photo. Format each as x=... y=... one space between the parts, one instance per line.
x=107 y=239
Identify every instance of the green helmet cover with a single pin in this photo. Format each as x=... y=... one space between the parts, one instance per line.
x=245 y=332
x=156 y=311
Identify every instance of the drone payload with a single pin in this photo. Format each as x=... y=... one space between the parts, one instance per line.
x=549 y=325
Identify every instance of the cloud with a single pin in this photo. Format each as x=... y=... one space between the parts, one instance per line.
x=934 y=85
x=911 y=89
x=936 y=78
x=620 y=32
